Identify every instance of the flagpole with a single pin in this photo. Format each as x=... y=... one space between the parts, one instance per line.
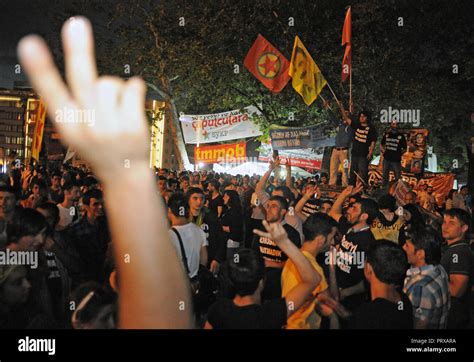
x=351 y=106
x=325 y=102
x=334 y=94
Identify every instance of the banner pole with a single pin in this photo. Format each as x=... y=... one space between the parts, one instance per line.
x=334 y=94
x=351 y=105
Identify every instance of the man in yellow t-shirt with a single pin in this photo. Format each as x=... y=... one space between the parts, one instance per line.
x=319 y=231
x=387 y=225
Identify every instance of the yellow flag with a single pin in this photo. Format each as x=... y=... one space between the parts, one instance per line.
x=40 y=117
x=307 y=78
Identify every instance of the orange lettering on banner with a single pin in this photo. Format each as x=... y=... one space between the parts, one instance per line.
x=230 y=153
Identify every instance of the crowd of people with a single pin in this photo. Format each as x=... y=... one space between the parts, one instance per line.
x=290 y=253
x=124 y=248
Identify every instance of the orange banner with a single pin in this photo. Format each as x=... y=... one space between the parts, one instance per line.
x=40 y=118
x=442 y=183
x=230 y=153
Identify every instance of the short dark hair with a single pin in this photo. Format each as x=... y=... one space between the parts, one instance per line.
x=216 y=184
x=318 y=224
x=171 y=181
x=388 y=260
x=25 y=222
x=367 y=113
x=40 y=182
x=287 y=194
x=177 y=203
x=52 y=209
x=246 y=269
x=462 y=215
x=9 y=189
x=369 y=207
x=89 y=181
x=69 y=185
x=191 y=191
x=162 y=178
x=281 y=200
x=429 y=240
x=387 y=202
x=327 y=201
x=92 y=194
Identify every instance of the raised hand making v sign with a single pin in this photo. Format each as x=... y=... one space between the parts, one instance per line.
x=115 y=141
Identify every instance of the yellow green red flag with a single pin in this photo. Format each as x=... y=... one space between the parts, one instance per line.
x=307 y=78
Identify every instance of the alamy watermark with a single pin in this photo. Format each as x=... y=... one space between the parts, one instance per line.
x=345 y=260
x=71 y=115
x=28 y=344
x=27 y=258
x=400 y=116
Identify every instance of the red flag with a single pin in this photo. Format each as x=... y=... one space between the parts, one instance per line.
x=347 y=29
x=346 y=39
x=267 y=64
x=346 y=63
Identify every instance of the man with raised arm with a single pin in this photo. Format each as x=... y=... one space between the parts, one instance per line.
x=247 y=274
x=350 y=259
x=282 y=191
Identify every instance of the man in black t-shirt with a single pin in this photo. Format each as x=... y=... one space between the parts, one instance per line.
x=246 y=272
x=216 y=202
x=363 y=145
x=458 y=261
x=352 y=249
x=392 y=146
x=309 y=202
x=276 y=209
x=389 y=307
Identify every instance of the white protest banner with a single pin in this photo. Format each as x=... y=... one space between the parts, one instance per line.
x=217 y=127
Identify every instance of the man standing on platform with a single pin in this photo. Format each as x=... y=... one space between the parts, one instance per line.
x=392 y=146
x=340 y=153
x=363 y=145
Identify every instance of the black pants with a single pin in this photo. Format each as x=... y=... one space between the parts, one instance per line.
x=359 y=164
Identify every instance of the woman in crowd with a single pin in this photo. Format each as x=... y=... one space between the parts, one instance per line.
x=18 y=310
x=232 y=221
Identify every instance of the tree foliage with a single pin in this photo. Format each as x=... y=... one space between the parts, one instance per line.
x=405 y=56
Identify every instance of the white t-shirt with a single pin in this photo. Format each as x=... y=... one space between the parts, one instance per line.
x=193 y=240
x=66 y=216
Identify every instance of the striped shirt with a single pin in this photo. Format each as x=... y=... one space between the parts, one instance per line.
x=427 y=288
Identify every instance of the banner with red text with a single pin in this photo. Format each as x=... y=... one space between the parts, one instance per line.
x=308 y=158
x=229 y=153
x=218 y=127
